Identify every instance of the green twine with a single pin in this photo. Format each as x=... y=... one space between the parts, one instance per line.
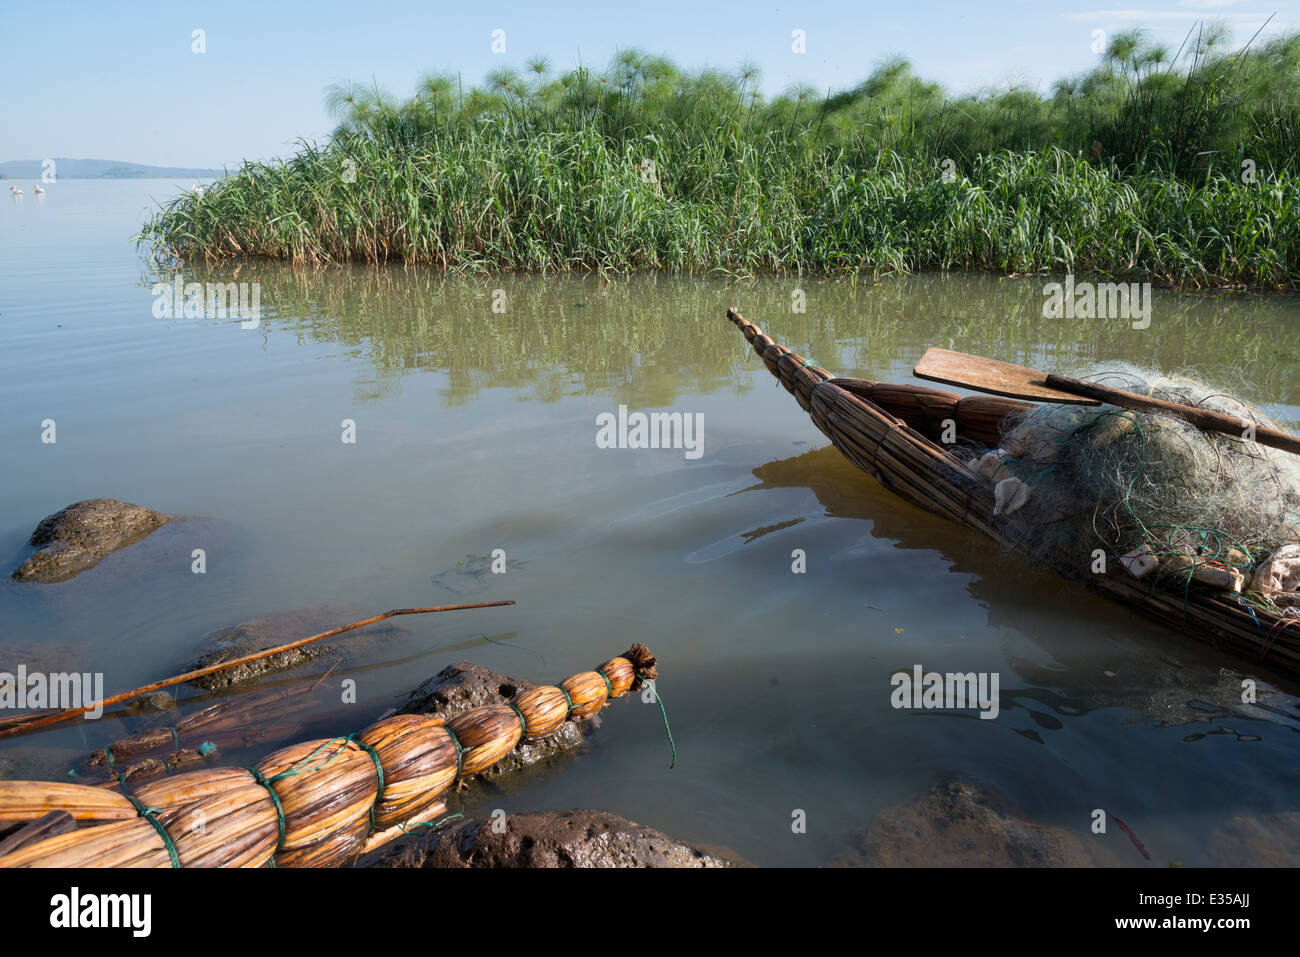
x=523 y=722
x=150 y=814
x=279 y=809
x=460 y=751
x=805 y=365
x=431 y=825
x=609 y=685
x=664 y=711
x=379 y=770
x=293 y=769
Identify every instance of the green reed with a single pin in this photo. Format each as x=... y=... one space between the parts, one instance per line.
x=643 y=167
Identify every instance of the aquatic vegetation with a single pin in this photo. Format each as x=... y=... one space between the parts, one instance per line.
x=565 y=201
x=1134 y=170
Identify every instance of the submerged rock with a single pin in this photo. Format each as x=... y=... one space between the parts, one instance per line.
x=78 y=537
x=961 y=824
x=244 y=640
x=578 y=838
x=282 y=628
x=463 y=685
x=154 y=703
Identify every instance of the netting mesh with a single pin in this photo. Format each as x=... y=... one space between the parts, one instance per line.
x=1178 y=503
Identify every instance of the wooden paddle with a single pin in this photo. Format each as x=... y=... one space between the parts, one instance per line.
x=1020 y=382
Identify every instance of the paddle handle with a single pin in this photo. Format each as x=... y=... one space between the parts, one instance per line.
x=1205 y=419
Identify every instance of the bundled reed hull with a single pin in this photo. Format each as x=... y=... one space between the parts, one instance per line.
x=890 y=431
x=315 y=803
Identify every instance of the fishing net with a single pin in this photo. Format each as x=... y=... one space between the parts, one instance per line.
x=1173 y=503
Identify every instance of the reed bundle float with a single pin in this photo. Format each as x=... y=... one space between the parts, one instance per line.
x=317 y=803
x=1177 y=500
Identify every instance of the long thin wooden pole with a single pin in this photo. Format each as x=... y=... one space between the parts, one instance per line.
x=62 y=715
x=1205 y=419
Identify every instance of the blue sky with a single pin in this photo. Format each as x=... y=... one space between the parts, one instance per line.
x=120 y=81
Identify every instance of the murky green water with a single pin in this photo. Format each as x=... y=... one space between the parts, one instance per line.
x=475 y=430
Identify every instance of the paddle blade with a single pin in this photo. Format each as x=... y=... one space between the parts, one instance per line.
x=992 y=376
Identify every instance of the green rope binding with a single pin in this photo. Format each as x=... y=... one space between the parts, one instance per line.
x=379 y=770
x=460 y=751
x=291 y=771
x=150 y=814
x=432 y=825
x=523 y=723
x=829 y=375
x=279 y=808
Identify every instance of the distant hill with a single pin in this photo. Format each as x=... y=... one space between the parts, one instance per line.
x=102 y=169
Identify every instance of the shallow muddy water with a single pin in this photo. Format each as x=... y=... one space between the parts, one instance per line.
x=475 y=429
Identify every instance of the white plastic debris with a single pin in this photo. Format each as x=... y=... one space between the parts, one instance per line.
x=1009 y=495
x=993 y=466
x=989 y=463
x=1280 y=572
x=1140 y=562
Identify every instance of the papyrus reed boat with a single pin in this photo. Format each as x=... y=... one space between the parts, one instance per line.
x=316 y=803
x=895 y=433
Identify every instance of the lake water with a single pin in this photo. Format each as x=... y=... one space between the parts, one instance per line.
x=475 y=430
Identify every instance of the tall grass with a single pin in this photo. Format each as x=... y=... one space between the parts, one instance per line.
x=643 y=167
x=1202 y=107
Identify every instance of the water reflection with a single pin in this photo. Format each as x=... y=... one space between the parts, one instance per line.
x=653 y=339
x=1106 y=657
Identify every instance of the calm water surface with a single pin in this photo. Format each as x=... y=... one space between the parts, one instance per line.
x=475 y=430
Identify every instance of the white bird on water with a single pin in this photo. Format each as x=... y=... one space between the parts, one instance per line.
x=37 y=189
x=15 y=191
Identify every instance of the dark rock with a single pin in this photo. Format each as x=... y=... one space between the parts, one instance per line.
x=76 y=538
x=462 y=686
x=282 y=628
x=150 y=703
x=547 y=839
x=244 y=640
x=961 y=824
